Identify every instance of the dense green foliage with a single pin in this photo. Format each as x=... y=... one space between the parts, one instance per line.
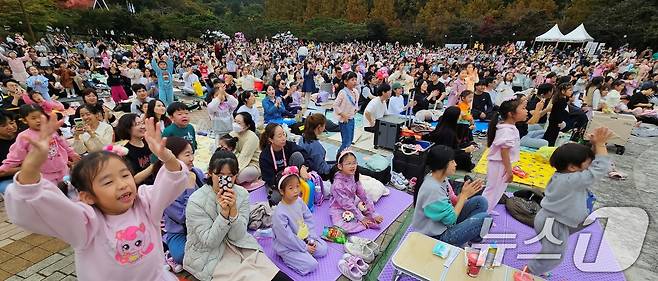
x=435 y=21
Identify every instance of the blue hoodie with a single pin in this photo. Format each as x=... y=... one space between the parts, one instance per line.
x=316 y=154
x=272 y=112
x=174 y=215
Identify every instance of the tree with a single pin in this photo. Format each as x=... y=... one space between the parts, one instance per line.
x=356 y=11
x=384 y=10
x=312 y=9
x=41 y=13
x=332 y=9
x=529 y=18
x=577 y=12
x=436 y=17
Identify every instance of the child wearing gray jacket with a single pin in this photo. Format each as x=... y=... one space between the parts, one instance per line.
x=564 y=206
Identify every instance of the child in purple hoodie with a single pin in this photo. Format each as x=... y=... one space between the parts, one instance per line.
x=295 y=239
x=350 y=209
x=174 y=215
x=114 y=228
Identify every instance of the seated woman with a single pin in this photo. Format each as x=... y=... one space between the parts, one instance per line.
x=131 y=128
x=89 y=97
x=313 y=127
x=94 y=133
x=446 y=134
x=246 y=149
x=156 y=109
x=276 y=154
x=218 y=245
x=439 y=213
x=247 y=103
x=174 y=214
x=275 y=109
x=530 y=132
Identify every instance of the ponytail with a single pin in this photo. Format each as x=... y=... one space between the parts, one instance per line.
x=491 y=130
x=506 y=108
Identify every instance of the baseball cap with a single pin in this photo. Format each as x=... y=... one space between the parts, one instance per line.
x=396 y=86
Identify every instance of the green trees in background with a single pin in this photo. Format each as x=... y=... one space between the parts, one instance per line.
x=407 y=21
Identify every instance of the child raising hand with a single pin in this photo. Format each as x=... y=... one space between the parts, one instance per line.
x=114 y=228
x=565 y=207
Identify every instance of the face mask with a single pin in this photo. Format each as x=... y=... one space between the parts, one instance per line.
x=225 y=182
x=237 y=128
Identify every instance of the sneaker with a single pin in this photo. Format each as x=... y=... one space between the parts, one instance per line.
x=398 y=186
x=400 y=177
x=175 y=267
x=365 y=241
x=350 y=270
x=360 y=250
x=358 y=262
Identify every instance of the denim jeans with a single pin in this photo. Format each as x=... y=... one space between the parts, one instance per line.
x=346 y=134
x=176 y=244
x=4 y=184
x=469 y=223
x=534 y=138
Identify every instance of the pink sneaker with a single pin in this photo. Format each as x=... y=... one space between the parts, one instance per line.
x=175 y=267
x=350 y=270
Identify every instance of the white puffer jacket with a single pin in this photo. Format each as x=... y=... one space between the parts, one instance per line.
x=208 y=231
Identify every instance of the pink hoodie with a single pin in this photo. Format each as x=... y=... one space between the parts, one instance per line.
x=55 y=167
x=122 y=247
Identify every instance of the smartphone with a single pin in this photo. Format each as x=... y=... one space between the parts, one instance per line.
x=79 y=123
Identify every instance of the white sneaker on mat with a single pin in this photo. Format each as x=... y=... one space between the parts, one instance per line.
x=372 y=245
x=360 y=250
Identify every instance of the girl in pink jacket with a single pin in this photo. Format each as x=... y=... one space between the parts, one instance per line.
x=114 y=228
x=55 y=166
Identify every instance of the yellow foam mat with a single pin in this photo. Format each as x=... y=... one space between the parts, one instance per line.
x=538 y=169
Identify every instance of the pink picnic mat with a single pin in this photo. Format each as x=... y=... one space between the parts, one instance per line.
x=390 y=207
x=504 y=223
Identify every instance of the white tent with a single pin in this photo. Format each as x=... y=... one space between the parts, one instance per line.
x=578 y=35
x=553 y=35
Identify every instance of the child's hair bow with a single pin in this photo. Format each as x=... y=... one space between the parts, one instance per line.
x=287 y=172
x=116 y=149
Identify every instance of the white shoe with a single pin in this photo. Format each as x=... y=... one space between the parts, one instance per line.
x=372 y=245
x=361 y=251
x=399 y=177
x=398 y=186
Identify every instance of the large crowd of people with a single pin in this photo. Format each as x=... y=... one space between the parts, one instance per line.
x=101 y=118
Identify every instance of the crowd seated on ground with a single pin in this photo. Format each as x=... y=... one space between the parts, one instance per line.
x=109 y=100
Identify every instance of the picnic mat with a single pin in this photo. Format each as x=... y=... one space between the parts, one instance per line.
x=538 y=169
x=205 y=148
x=362 y=140
x=504 y=223
x=390 y=207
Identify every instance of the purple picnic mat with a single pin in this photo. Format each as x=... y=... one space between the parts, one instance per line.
x=390 y=207
x=504 y=223
x=327 y=265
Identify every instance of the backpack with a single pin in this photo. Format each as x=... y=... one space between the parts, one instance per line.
x=319 y=192
x=524 y=206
